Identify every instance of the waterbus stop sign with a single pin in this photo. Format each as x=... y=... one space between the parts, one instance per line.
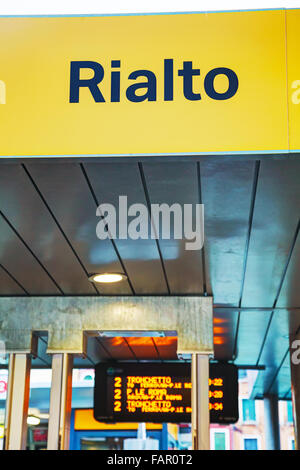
x=152 y=392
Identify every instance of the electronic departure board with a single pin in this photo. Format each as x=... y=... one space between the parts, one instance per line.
x=151 y=392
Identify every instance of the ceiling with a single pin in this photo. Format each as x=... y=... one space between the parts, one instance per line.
x=250 y=262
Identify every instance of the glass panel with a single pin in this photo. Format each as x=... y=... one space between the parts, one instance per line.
x=3 y=392
x=38 y=411
x=220 y=441
x=250 y=444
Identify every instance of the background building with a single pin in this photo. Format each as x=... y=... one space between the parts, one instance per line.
x=247 y=434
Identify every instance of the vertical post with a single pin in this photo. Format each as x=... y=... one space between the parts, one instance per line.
x=295 y=387
x=60 y=402
x=200 y=402
x=65 y=419
x=55 y=400
x=17 y=401
x=271 y=422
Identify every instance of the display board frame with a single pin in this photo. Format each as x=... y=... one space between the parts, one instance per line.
x=111 y=402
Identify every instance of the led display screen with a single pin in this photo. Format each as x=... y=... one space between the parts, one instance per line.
x=151 y=392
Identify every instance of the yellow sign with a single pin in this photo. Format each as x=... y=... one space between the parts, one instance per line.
x=84 y=420
x=293 y=74
x=146 y=84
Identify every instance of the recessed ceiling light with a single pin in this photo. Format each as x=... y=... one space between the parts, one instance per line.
x=107 y=277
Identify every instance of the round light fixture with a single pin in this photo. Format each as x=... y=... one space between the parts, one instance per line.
x=107 y=277
x=33 y=420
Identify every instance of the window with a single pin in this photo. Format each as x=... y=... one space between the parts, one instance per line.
x=250 y=443
x=293 y=444
x=289 y=411
x=242 y=374
x=219 y=438
x=220 y=441
x=248 y=410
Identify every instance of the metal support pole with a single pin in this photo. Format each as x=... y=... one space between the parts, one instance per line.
x=295 y=387
x=271 y=422
x=200 y=402
x=60 y=402
x=17 y=401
